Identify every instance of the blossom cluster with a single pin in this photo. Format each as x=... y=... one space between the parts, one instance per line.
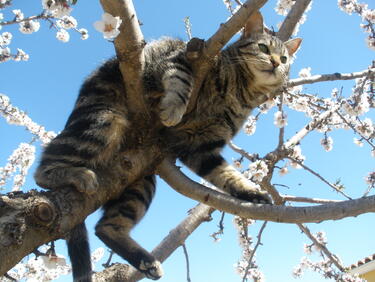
x=15 y=116
x=23 y=157
x=45 y=266
x=367 y=15
x=246 y=267
x=325 y=266
x=20 y=160
x=257 y=171
x=56 y=12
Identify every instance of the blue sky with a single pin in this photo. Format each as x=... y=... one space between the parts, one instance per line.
x=47 y=85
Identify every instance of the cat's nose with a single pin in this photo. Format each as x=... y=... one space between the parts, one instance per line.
x=274 y=62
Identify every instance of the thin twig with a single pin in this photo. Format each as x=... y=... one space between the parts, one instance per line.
x=334 y=187
x=187 y=263
x=309 y=127
x=250 y=157
x=32 y=18
x=355 y=130
x=221 y=228
x=322 y=247
x=258 y=243
x=329 y=77
x=108 y=262
x=291 y=198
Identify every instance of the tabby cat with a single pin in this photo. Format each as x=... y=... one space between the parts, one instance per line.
x=244 y=75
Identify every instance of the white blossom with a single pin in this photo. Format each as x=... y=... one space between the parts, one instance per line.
x=57 y=9
x=84 y=33
x=250 y=125
x=258 y=170
x=370 y=179
x=283 y=171
x=20 y=160
x=13 y=115
x=327 y=143
x=5 y=54
x=97 y=254
x=266 y=106
x=21 y=56
x=305 y=72
x=280 y=119
x=358 y=142
x=365 y=127
x=28 y=27
x=370 y=42
x=67 y=22
x=5 y=38
x=109 y=26
x=297 y=155
x=300 y=104
x=63 y=35
x=18 y=15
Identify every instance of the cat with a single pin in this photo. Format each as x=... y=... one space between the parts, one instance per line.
x=245 y=74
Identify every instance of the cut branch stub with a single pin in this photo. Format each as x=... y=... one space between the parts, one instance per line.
x=44 y=213
x=194 y=48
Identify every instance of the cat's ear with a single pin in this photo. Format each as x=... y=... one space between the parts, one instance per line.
x=293 y=45
x=253 y=25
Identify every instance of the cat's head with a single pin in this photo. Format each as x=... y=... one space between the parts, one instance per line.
x=267 y=57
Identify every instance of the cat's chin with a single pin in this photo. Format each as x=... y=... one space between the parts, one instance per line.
x=268 y=77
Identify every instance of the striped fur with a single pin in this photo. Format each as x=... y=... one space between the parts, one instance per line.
x=244 y=75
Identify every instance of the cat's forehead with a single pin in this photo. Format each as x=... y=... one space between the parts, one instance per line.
x=272 y=42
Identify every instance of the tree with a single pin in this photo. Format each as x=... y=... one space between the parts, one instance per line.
x=33 y=218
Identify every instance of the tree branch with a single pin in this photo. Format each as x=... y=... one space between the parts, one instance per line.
x=287 y=27
x=330 y=77
x=332 y=211
x=129 y=50
x=216 y=42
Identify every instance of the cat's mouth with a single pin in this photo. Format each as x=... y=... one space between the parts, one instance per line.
x=270 y=71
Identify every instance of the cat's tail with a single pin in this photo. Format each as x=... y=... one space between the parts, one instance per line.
x=79 y=253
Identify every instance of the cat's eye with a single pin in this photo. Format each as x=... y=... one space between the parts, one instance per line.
x=283 y=59
x=263 y=48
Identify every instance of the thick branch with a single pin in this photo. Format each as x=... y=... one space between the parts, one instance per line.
x=129 y=50
x=217 y=41
x=292 y=19
x=220 y=201
x=330 y=77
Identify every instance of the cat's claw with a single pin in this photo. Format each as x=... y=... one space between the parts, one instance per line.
x=257 y=197
x=152 y=270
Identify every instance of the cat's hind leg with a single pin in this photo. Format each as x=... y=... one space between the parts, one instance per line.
x=120 y=216
x=90 y=139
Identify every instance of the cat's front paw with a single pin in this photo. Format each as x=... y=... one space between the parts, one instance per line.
x=171 y=110
x=253 y=196
x=152 y=270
